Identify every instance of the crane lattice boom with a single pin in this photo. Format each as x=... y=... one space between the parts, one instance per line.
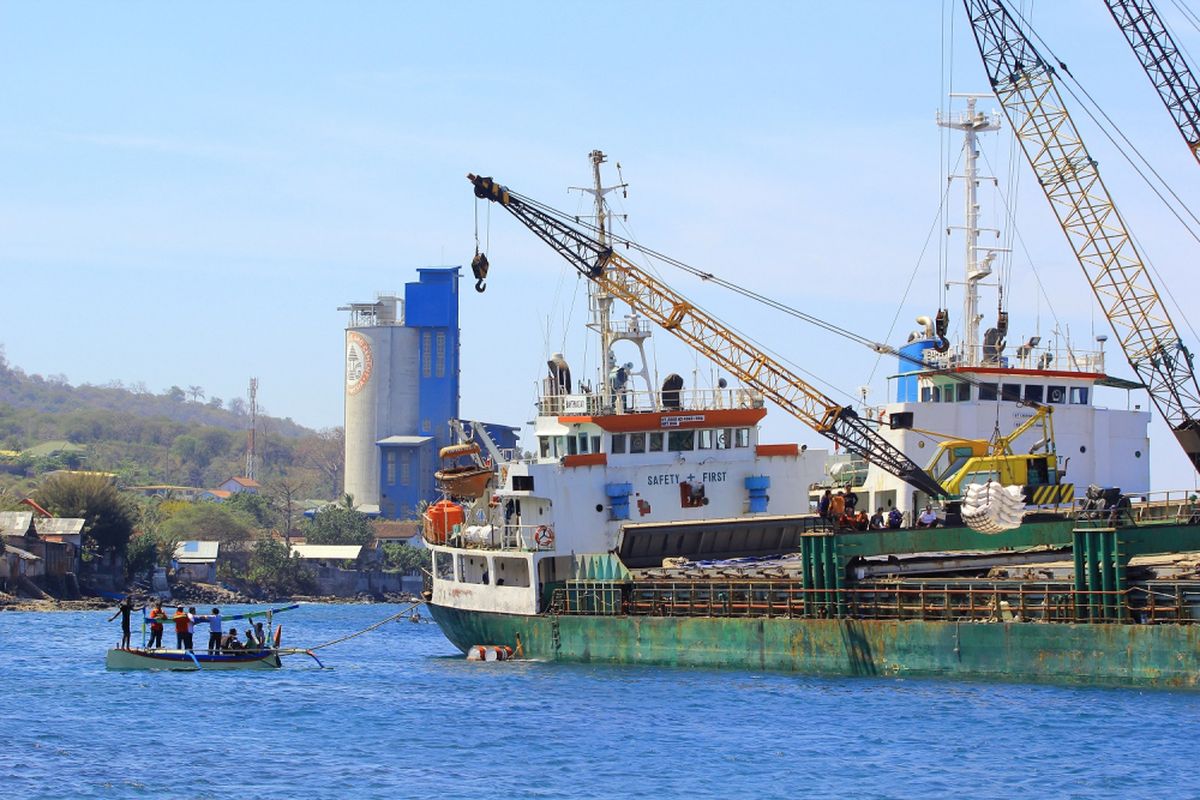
x=709 y=336
x=1164 y=65
x=1023 y=82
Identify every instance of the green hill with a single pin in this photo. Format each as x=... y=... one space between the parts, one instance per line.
x=173 y=437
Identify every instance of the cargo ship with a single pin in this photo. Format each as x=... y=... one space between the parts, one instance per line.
x=651 y=525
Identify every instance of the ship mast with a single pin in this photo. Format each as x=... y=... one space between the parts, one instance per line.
x=600 y=300
x=972 y=123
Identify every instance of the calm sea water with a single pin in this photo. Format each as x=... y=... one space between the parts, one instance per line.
x=401 y=714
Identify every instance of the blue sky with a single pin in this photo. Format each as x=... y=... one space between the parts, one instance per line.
x=189 y=192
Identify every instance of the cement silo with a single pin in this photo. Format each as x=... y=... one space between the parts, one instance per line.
x=382 y=390
x=402 y=381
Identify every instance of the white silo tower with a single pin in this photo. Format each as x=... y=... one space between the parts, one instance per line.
x=382 y=360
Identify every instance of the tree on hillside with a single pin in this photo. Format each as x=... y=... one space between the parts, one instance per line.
x=175 y=394
x=208 y=522
x=285 y=496
x=109 y=515
x=338 y=525
x=253 y=505
x=326 y=452
x=196 y=393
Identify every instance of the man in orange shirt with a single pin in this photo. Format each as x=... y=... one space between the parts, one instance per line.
x=182 y=638
x=157 y=615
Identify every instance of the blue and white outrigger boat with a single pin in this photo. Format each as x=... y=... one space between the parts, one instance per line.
x=267 y=657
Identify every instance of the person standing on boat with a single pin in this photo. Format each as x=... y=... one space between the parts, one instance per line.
x=157 y=615
x=181 y=629
x=823 y=504
x=214 y=630
x=124 y=610
x=851 y=501
x=191 y=631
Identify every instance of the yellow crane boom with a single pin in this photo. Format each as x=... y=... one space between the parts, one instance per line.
x=1024 y=84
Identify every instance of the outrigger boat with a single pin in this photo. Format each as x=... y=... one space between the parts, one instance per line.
x=135 y=658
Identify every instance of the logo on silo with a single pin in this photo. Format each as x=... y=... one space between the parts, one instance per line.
x=358 y=362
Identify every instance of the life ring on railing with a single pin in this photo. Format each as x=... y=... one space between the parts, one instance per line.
x=543 y=535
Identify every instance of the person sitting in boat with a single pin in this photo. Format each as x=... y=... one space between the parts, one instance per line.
x=861 y=522
x=231 y=641
x=877 y=523
x=928 y=519
x=895 y=519
x=256 y=637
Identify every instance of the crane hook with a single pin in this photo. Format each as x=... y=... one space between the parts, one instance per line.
x=479 y=266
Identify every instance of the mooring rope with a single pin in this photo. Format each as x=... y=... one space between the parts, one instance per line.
x=370 y=628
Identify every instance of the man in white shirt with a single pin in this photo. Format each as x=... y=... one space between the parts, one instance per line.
x=928 y=519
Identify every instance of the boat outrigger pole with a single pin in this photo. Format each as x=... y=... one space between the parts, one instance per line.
x=624 y=280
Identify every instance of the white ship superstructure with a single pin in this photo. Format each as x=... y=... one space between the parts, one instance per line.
x=978 y=386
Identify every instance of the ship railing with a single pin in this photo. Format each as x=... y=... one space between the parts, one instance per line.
x=642 y=401
x=1057 y=358
x=1179 y=506
x=1015 y=601
x=520 y=538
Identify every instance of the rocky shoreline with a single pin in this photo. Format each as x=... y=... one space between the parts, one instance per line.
x=192 y=594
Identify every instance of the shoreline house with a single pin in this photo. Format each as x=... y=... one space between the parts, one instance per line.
x=40 y=563
x=196 y=561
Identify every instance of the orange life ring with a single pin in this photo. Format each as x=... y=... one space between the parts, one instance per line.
x=543 y=535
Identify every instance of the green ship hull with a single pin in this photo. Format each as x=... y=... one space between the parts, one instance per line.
x=1161 y=655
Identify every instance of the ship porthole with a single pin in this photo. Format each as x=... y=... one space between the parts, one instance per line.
x=921 y=444
x=599 y=508
x=1137 y=453
x=1083 y=448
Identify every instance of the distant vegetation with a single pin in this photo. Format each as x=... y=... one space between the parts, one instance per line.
x=178 y=437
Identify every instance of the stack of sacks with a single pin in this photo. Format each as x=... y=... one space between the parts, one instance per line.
x=992 y=508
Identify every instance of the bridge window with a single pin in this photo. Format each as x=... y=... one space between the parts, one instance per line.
x=656 y=442
x=987 y=391
x=1079 y=395
x=704 y=440
x=583 y=443
x=681 y=441
x=1056 y=394
x=444 y=566
x=544 y=446
x=743 y=437
x=1034 y=394
x=964 y=392
x=1010 y=391
x=637 y=442
x=618 y=443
